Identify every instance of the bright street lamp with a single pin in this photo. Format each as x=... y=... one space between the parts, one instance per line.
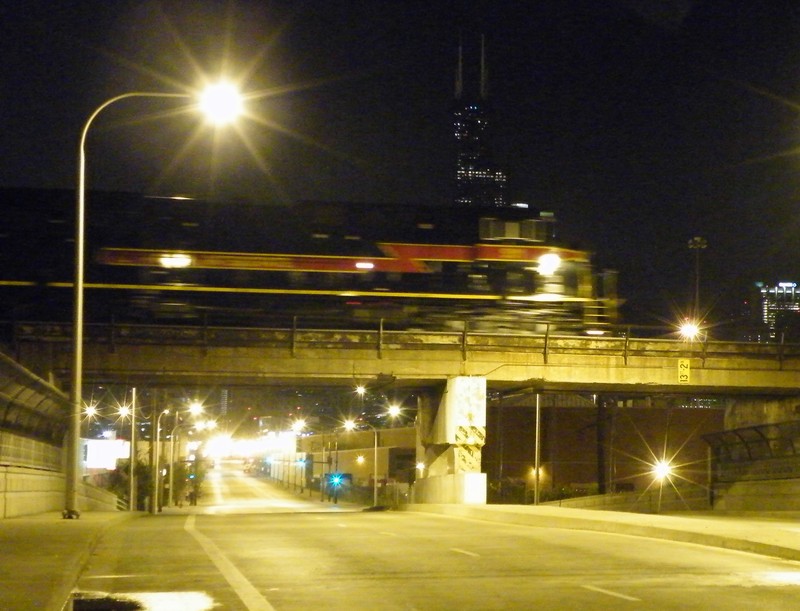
x=662 y=470
x=298 y=426
x=195 y=408
x=221 y=103
x=211 y=102
x=689 y=330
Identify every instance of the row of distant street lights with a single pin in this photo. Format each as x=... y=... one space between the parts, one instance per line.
x=221 y=103
x=393 y=411
x=129 y=411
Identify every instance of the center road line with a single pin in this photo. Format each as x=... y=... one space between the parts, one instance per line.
x=465 y=552
x=245 y=590
x=612 y=593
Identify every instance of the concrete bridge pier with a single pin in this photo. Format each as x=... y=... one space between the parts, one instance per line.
x=450 y=437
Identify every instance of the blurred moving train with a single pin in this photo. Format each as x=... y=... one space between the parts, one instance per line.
x=179 y=260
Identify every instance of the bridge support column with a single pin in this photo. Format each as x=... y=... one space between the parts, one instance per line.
x=450 y=439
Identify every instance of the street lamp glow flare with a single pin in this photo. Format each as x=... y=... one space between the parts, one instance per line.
x=689 y=330
x=221 y=103
x=662 y=470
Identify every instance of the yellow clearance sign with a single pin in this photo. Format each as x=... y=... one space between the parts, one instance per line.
x=684 y=371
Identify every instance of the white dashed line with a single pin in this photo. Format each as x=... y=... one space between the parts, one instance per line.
x=245 y=590
x=465 y=552
x=612 y=593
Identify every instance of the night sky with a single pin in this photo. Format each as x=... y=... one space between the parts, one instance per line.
x=639 y=123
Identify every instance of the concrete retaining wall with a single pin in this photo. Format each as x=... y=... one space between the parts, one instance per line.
x=651 y=501
x=758 y=495
x=25 y=491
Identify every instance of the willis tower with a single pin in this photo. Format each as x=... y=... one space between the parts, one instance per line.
x=479 y=182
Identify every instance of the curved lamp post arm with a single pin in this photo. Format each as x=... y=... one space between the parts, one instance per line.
x=73 y=466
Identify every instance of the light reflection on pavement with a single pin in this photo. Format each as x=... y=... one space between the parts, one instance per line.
x=228 y=490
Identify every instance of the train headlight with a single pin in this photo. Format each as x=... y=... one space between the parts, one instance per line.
x=175 y=260
x=549 y=264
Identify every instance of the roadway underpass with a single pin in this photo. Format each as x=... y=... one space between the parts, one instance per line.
x=595 y=372
x=251 y=546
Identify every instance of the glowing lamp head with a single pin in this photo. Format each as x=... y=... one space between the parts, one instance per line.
x=221 y=103
x=662 y=470
x=298 y=425
x=689 y=330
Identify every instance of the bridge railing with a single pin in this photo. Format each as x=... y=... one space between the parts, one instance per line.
x=618 y=342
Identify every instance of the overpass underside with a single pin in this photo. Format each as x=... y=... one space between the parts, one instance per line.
x=644 y=371
x=177 y=355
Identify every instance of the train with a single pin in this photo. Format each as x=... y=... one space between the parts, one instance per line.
x=169 y=260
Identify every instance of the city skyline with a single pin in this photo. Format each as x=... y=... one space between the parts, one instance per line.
x=639 y=129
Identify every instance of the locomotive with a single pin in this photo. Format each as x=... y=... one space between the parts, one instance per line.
x=405 y=267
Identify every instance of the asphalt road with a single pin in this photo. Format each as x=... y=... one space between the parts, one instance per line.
x=252 y=546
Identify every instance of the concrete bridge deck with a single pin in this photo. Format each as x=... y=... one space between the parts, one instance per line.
x=245 y=356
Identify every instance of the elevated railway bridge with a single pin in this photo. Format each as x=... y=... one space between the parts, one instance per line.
x=156 y=354
x=456 y=370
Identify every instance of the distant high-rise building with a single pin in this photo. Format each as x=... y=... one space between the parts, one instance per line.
x=479 y=182
x=780 y=309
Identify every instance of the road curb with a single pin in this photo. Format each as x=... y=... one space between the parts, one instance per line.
x=674 y=528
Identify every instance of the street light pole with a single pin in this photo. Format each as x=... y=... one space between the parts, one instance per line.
x=375 y=467
x=350 y=425
x=73 y=446
x=697 y=244
x=156 y=437
x=222 y=102
x=172 y=460
x=132 y=505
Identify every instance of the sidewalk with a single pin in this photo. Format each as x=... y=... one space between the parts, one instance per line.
x=41 y=557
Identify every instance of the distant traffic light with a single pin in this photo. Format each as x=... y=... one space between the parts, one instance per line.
x=336 y=479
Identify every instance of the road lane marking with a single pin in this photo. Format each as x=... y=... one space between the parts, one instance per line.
x=465 y=552
x=245 y=590
x=388 y=534
x=611 y=593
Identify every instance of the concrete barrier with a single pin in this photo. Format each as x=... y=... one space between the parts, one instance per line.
x=649 y=501
x=758 y=495
x=26 y=491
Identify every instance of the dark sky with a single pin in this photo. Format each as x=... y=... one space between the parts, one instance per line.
x=639 y=123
